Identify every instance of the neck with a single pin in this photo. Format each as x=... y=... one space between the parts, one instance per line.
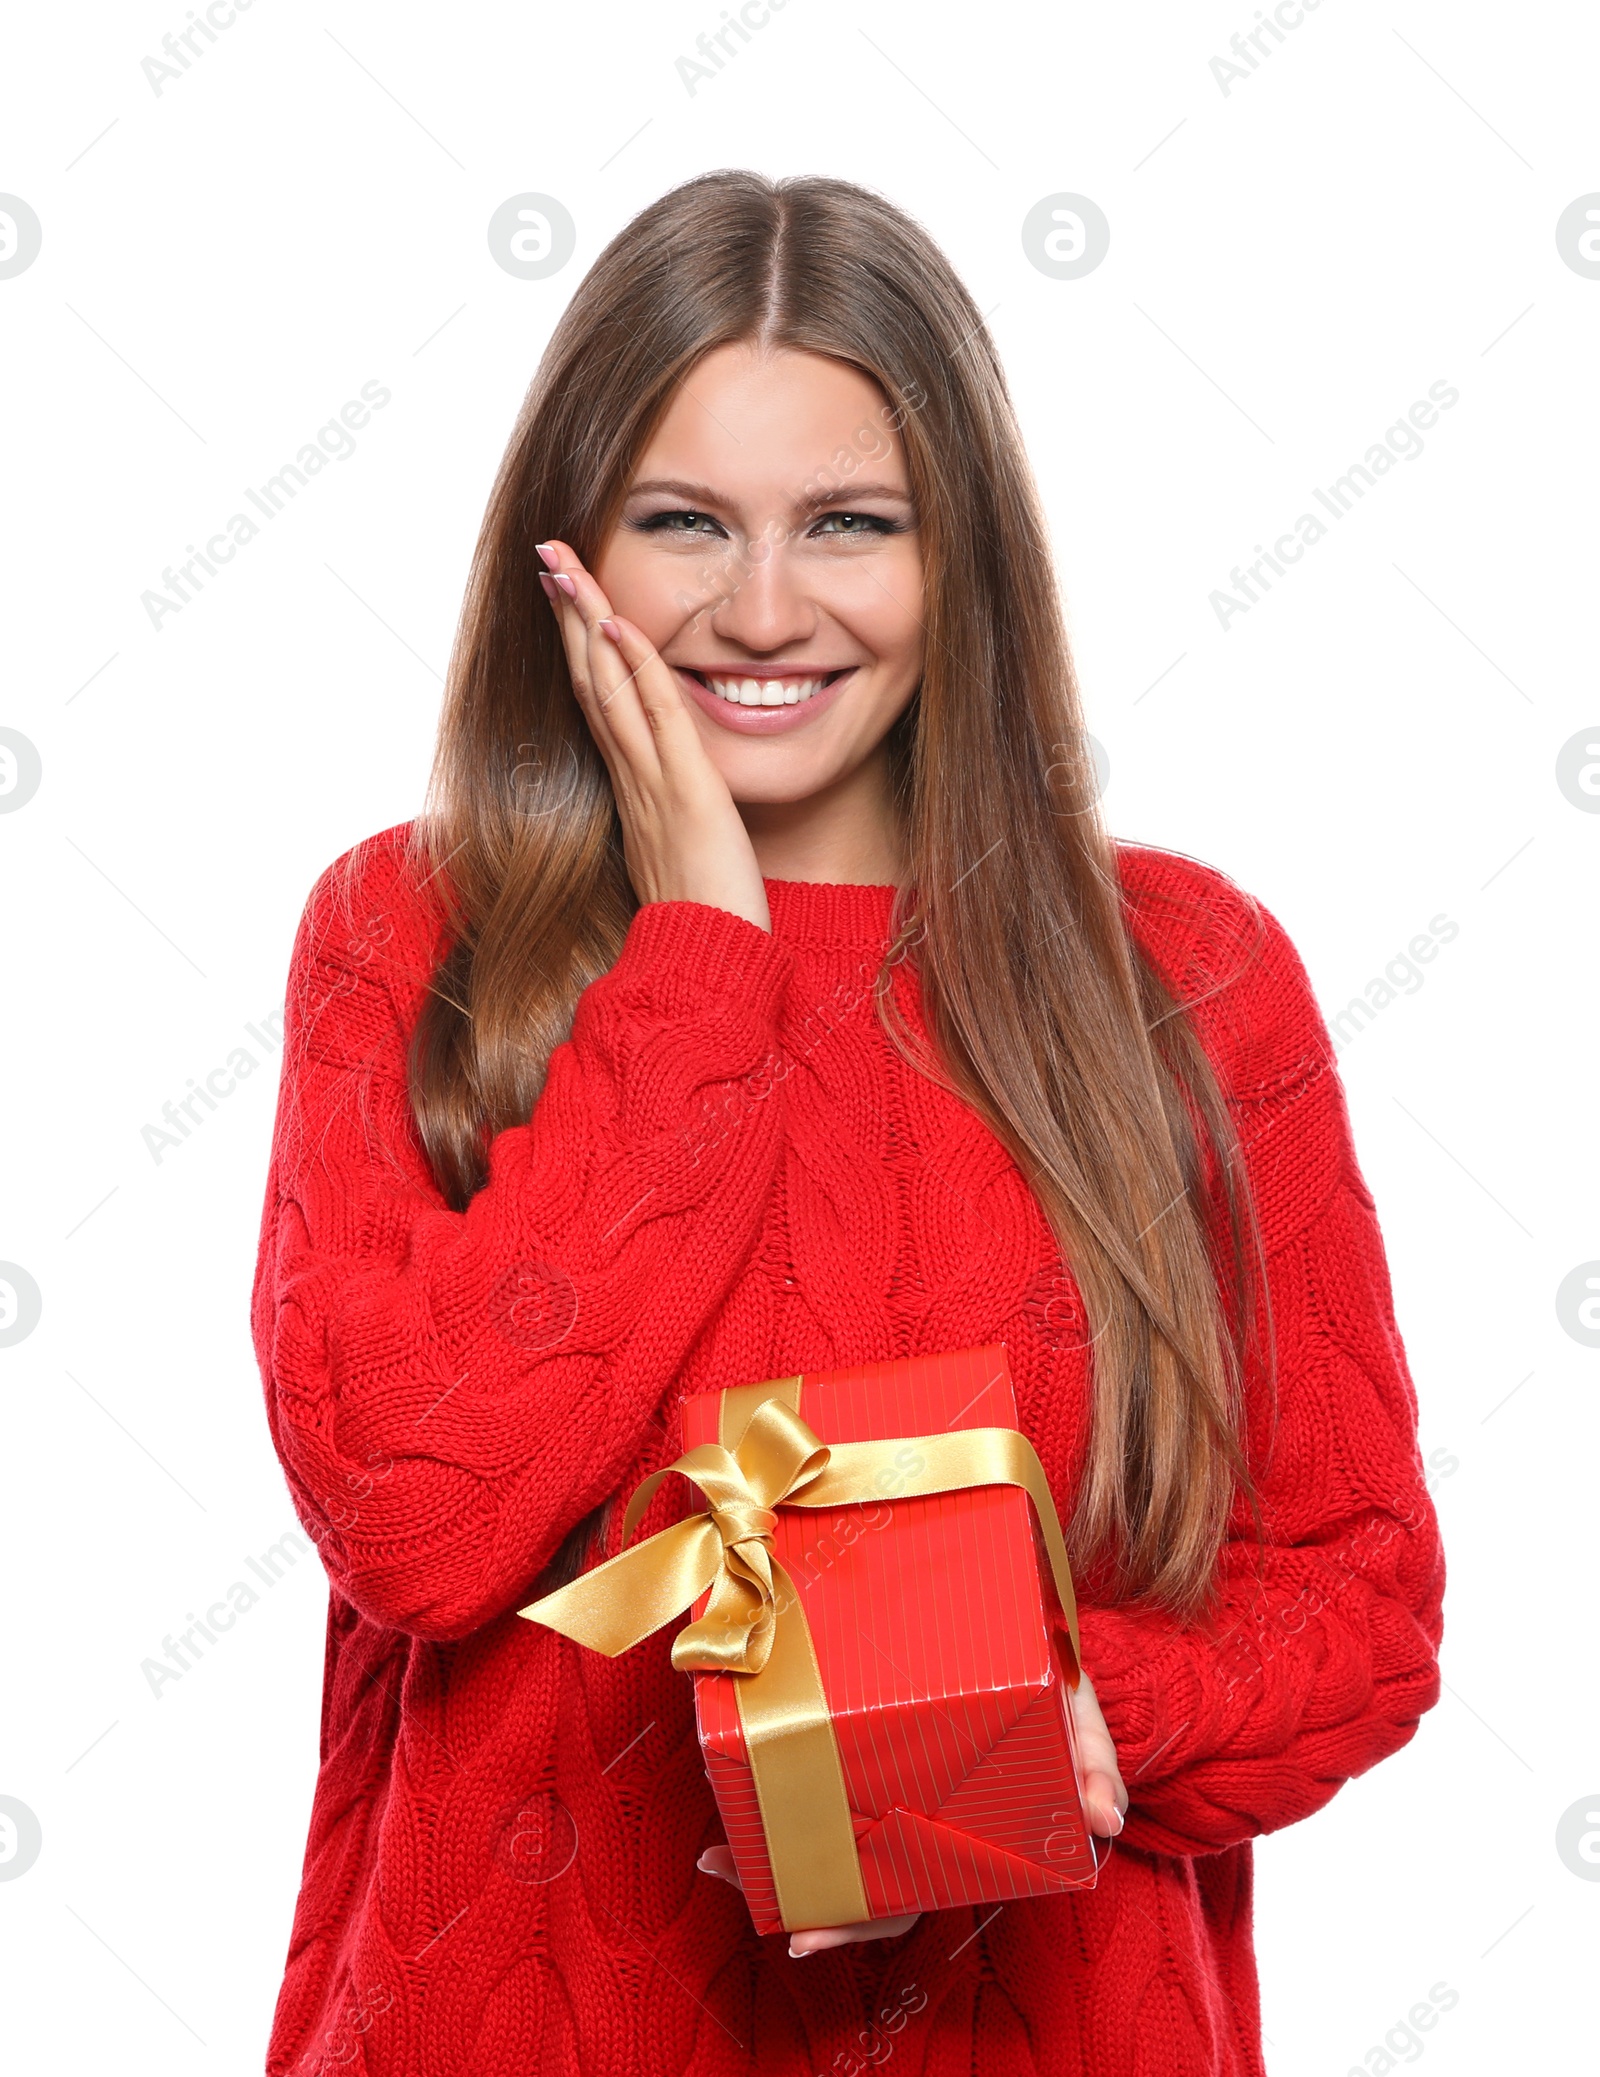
x=847 y=834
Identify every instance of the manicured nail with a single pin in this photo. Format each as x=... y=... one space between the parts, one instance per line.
x=547 y=555
x=565 y=583
x=610 y=627
x=1117 y=1820
x=548 y=586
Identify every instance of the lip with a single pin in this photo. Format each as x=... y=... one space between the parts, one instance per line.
x=764 y=721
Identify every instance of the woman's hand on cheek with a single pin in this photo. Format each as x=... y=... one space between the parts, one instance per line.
x=718 y=1860
x=682 y=834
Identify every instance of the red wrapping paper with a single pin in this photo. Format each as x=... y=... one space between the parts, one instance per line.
x=944 y=1657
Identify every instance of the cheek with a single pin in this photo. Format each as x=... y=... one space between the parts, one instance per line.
x=643 y=585
x=880 y=602
x=893 y=610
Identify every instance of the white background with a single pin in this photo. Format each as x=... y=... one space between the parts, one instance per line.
x=1292 y=263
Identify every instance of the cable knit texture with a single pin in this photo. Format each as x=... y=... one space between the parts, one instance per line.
x=500 y=1875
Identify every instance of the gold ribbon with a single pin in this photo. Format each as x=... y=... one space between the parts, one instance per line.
x=754 y=1624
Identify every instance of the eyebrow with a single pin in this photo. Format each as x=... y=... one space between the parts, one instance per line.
x=815 y=501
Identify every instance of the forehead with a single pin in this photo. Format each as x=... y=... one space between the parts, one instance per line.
x=767 y=424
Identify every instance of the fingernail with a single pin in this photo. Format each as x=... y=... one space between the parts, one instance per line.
x=1117 y=1820
x=609 y=627
x=566 y=584
x=547 y=555
x=548 y=585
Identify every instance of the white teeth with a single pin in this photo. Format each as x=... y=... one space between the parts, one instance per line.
x=764 y=692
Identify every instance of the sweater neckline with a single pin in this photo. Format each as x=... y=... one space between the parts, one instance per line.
x=830 y=912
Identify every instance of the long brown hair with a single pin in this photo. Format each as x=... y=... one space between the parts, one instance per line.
x=1043 y=1012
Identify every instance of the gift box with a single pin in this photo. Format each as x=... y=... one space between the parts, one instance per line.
x=883 y=1639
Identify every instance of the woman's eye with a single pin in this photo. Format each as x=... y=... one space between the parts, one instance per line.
x=848 y=523
x=679 y=523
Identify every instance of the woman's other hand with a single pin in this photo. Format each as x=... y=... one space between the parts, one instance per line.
x=1105 y=1800
x=1105 y=1804
x=718 y=1860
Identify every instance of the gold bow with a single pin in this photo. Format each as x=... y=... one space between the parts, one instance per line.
x=754 y=1624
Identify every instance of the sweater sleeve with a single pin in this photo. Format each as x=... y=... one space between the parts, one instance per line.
x=451 y=1392
x=1323 y=1653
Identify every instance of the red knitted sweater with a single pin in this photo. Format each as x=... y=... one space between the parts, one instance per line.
x=500 y=1876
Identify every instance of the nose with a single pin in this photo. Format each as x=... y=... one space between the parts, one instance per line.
x=766 y=609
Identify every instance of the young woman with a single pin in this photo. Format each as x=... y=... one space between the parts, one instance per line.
x=762 y=993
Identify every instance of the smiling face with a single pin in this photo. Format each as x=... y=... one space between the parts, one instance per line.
x=768 y=549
